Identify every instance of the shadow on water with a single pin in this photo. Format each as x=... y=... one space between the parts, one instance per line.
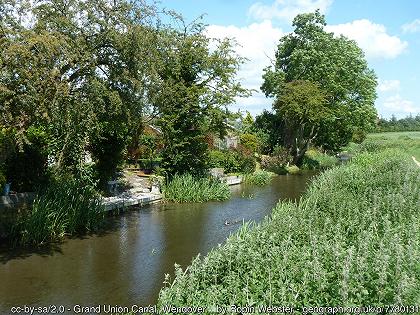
x=125 y=262
x=8 y=251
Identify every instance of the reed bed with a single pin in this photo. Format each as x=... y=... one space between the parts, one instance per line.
x=66 y=207
x=259 y=178
x=352 y=240
x=187 y=188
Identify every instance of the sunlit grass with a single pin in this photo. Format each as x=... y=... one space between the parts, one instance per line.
x=408 y=142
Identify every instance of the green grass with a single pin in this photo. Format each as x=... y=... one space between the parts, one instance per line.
x=66 y=207
x=187 y=188
x=259 y=177
x=409 y=142
x=395 y=135
x=353 y=239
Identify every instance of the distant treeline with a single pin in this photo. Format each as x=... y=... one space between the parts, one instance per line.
x=404 y=124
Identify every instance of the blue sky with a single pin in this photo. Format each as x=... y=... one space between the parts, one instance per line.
x=388 y=31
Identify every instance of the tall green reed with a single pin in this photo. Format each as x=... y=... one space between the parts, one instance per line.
x=259 y=177
x=187 y=188
x=65 y=207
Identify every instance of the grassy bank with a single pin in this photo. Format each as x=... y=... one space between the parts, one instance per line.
x=354 y=239
x=187 y=188
x=408 y=142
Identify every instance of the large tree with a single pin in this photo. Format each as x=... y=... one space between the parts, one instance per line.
x=80 y=69
x=197 y=83
x=302 y=105
x=337 y=65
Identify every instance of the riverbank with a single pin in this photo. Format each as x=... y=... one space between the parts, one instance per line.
x=352 y=239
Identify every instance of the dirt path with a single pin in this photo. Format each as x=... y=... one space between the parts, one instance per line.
x=415 y=161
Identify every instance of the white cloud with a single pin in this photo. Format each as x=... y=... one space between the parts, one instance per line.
x=372 y=38
x=398 y=105
x=412 y=27
x=256 y=42
x=286 y=10
x=388 y=85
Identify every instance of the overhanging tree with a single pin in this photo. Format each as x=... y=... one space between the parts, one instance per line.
x=337 y=65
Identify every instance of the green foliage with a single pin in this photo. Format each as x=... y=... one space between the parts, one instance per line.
x=406 y=142
x=26 y=166
x=2 y=182
x=393 y=124
x=278 y=162
x=188 y=188
x=352 y=240
x=197 y=83
x=66 y=207
x=88 y=81
x=358 y=136
x=302 y=106
x=250 y=142
x=259 y=177
x=293 y=169
x=314 y=159
x=270 y=127
x=107 y=152
x=220 y=159
x=338 y=66
x=273 y=164
x=85 y=80
x=232 y=161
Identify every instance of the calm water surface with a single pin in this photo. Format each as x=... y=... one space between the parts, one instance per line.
x=126 y=264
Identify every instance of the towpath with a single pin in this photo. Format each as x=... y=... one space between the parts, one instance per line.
x=415 y=161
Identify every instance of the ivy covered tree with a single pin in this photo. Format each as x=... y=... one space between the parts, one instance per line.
x=338 y=67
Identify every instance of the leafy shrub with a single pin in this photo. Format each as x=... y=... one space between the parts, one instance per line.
x=67 y=206
x=246 y=162
x=273 y=164
x=26 y=167
x=232 y=161
x=2 y=181
x=278 y=162
x=187 y=188
x=293 y=169
x=107 y=151
x=250 y=142
x=315 y=159
x=353 y=239
x=259 y=177
x=358 y=136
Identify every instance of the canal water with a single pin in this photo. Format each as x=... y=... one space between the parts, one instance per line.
x=126 y=263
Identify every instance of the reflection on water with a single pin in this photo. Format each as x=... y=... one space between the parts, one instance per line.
x=126 y=264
